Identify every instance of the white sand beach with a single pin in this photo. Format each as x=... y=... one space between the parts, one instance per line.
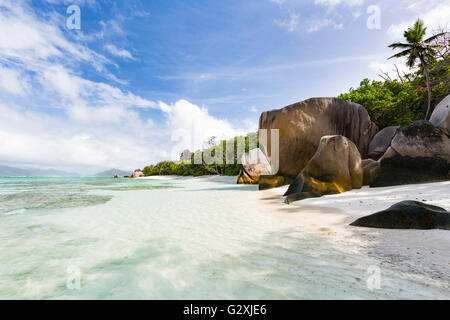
x=419 y=251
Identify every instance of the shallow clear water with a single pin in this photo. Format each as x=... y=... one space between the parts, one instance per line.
x=171 y=239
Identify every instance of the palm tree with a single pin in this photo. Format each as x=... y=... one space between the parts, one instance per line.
x=418 y=49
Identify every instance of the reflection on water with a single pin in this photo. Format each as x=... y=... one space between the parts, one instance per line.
x=20 y=194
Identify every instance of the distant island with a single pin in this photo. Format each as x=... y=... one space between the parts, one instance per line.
x=112 y=173
x=6 y=171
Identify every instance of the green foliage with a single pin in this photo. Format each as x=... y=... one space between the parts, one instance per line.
x=418 y=49
x=232 y=171
x=389 y=103
x=439 y=71
x=179 y=168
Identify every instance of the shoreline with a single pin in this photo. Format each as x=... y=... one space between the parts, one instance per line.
x=217 y=178
x=422 y=252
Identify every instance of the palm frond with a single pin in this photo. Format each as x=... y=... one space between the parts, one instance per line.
x=402 y=54
x=430 y=39
x=416 y=33
x=400 y=45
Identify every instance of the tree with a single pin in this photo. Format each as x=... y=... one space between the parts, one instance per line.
x=389 y=103
x=418 y=49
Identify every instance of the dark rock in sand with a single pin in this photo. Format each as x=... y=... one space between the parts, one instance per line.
x=302 y=125
x=295 y=187
x=408 y=215
x=381 y=142
x=419 y=153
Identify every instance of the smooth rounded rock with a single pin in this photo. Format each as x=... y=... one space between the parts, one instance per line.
x=335 y=168
x=407 y=215
x=381 y=142
x=419 y=153
x=303 y=124
x=441 y=115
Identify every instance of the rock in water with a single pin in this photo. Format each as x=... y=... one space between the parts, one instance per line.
x=255 y=164
x=441 y=115
x=138 y=174
x=335 y=168
x=419 y=153
x=381 y=142
x=407 y=215
x=302 y=125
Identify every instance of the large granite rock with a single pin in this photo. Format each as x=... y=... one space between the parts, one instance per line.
x=418 y=153
x=302 y=125
x=408 y=215
x=255 y=164
x=381 y=142
x=441 y=115
x=335 y=168
x=370 y=169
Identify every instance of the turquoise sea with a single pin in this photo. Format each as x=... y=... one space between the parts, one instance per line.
x=101 y=238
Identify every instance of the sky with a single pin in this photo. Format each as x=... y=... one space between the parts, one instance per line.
x=140 y=81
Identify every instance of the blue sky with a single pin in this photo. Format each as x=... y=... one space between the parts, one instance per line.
x=142 y=80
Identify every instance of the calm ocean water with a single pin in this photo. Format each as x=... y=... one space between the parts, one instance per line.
x=101 y=238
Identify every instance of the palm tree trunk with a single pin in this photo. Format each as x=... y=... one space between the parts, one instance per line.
x=425 y=70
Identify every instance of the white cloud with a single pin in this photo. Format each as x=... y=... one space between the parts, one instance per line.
x=433 y=18
x=268 y=69
x=191 y=126
x=291 y=24
x=122 y=53
x=388 y=66
x=52 y=116
x=331 y=4
x=30 y=138
x=313 y=23
x=13 y=81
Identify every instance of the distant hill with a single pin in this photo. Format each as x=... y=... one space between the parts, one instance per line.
x=6 y=171
x=112 y=172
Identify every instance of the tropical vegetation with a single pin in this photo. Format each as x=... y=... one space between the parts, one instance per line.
x=411 y=96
